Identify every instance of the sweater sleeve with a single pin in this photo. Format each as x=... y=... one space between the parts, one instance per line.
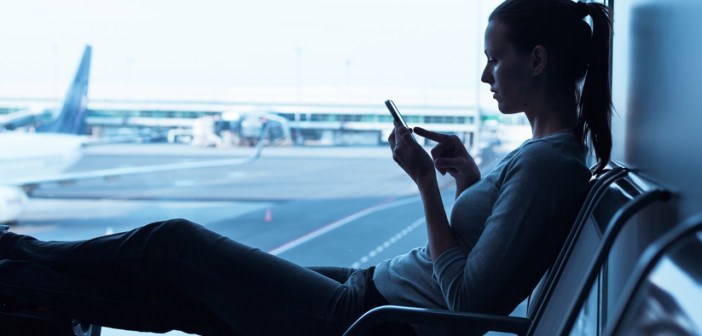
x=532 y=189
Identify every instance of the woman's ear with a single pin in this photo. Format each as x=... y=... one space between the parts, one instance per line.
x=539 y=58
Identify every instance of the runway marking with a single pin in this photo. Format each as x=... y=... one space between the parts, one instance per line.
x=335 y=225
x=373 y=253
x=184 y=183
x=232 y=177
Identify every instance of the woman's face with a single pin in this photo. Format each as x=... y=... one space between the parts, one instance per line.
x=508 y=71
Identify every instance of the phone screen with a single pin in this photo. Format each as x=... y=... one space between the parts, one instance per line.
x=395 y=113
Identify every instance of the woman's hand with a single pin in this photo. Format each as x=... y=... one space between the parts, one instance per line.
x=418 y=164
x=413 y=159
x=450 y=156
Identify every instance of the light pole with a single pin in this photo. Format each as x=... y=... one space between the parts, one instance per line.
x=478 y=122
x=54 y=51
x=298 y=135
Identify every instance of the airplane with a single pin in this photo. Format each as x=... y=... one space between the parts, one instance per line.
x=29 y=159
x=23 y=118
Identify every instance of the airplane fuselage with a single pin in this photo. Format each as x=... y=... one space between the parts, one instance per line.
x=35 y=155
x=30 y=156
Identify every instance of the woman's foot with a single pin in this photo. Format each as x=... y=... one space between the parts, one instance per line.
x=3 y=229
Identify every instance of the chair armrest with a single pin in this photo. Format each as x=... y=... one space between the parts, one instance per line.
x=446 y=318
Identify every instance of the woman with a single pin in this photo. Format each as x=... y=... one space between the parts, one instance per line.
x=504 y=231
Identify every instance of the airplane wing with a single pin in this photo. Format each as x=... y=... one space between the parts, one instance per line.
x=123 y=171
x=13 y=120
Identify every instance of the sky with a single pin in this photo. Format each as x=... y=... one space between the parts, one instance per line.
x=210 y=46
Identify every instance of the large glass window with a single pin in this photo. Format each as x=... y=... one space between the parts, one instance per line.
x=185 y=82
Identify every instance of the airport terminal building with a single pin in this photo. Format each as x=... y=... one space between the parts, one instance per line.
x=306 y=123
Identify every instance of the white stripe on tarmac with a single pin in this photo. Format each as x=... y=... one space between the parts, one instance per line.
x=335 y=225
x=373 y=253
x=184 y=183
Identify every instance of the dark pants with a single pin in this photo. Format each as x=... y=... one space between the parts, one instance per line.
x=179 y=275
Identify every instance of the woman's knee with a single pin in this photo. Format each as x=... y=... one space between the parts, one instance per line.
x=178 y=231
x=179 y=226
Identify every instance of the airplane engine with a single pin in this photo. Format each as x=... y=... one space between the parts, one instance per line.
x=13 y=201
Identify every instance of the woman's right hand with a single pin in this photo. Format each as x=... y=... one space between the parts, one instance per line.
x=450 y=156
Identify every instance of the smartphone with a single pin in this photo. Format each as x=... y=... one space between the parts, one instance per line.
x=395 y=113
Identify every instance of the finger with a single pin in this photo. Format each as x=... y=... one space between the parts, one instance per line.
x=452 y=171
x=451 y=161
x=438 y=137
x=406 y=135
x=398 y=139
x=438 y=151
x=391 y=139
x=440 y=168
x=449 y=170
x=448 y=163
x=401 y=129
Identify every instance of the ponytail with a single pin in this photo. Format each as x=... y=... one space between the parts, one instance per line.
x=595 y=104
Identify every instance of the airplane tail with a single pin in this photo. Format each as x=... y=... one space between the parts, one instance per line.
x=71 y=119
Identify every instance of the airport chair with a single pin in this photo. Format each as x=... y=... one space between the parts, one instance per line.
x=663 y=297
x=609 y=205
x=596 y=189
x=623 y=199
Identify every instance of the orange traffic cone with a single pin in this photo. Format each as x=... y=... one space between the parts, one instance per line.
x=269 y=216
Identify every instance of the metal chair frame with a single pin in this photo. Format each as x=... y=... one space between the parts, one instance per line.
x=647 y=263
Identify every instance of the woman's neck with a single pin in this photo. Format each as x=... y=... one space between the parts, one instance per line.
x=548 y=116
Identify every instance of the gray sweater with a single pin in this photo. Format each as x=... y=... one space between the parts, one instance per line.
x=510 y=225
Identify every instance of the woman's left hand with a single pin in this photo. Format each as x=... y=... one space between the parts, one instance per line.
x=413 y=159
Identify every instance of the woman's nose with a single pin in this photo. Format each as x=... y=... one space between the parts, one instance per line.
x=486 y=77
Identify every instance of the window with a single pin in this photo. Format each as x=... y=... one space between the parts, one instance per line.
x=167 y=87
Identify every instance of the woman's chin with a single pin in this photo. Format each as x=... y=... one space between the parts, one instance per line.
x=507 y=109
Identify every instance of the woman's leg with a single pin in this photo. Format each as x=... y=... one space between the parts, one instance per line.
x=252 y=291
x=338 y=274
x=25 y=285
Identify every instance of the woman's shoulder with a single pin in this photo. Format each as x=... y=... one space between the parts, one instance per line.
x=557 y=145
x=556 y=152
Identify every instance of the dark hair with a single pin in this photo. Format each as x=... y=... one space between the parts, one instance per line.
x=559 y=26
